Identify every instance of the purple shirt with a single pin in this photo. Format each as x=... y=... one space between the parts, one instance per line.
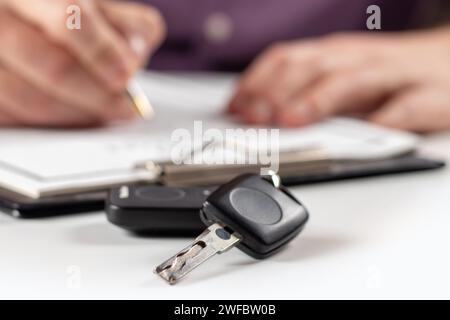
x=228 y=34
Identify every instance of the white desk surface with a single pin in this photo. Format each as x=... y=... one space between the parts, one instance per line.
x=384 y=237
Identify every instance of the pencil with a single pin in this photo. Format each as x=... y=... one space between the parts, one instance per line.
x=140 y=100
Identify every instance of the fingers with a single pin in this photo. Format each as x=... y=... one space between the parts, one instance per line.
x=97 y=45
x=51 y=69
x=286 y=72
x=6 y=120
x=23 y=104
x=285 y=83
x=343 y=91
x=275 y=65
x=257 y=112
x=142 y=26
x=416 y=109
x=53 y=75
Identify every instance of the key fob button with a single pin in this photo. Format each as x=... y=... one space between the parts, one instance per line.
x=255 y=205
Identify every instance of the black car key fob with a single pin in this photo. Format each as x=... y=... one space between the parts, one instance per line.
x=157 y=209
x=265 y=217
x=254 y=213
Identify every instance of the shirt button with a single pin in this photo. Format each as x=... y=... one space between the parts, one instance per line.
x=218 y=28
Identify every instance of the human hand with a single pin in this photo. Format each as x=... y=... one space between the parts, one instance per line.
x=399 y=80
x=53 y=76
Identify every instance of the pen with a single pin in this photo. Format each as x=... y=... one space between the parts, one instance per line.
x=140 y=100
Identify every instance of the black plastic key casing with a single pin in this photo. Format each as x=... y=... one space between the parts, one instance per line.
x=153 y=209
x=264 y=216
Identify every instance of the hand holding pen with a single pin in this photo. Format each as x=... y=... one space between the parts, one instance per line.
x=51 y=75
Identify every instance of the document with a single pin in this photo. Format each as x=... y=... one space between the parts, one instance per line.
x=43 y=162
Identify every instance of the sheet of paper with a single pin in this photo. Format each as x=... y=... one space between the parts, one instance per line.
x=37 y=162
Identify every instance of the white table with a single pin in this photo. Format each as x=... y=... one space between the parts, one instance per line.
x=385 y=237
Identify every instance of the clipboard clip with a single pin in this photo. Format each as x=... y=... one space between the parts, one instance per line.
x=292 y=163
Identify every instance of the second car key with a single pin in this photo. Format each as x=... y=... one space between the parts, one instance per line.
x=152 y=209
x=250 y=212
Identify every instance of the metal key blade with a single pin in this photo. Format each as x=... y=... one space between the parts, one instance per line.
x=215 y=239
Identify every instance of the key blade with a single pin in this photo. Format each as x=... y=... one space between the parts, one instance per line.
x=212 y=241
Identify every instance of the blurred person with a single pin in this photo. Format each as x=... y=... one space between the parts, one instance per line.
x=303 y=61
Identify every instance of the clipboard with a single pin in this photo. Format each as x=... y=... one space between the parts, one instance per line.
x=24 y=207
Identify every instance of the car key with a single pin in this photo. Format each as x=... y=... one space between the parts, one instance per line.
x=154 y=209
x=250 y=212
